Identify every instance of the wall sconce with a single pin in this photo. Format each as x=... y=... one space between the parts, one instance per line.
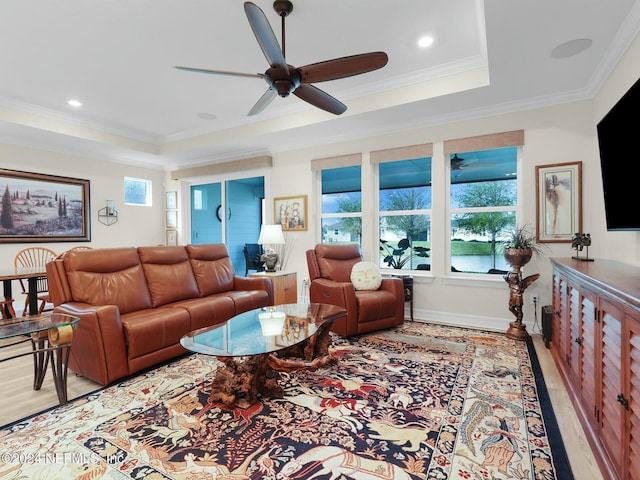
x=108 y=215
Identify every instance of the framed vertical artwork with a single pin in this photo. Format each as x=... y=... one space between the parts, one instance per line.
x=172 y=200
x=172 y=237
x=559 y=202
x=43 y=208
x=291 y=212
x=172 y=219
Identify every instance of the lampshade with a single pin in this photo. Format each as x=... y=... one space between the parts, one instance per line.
x=271 y=235
x=272 y=323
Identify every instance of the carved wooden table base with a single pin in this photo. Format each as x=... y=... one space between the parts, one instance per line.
x=243 y=380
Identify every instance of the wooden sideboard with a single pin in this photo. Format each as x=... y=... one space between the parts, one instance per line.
x=595 y=343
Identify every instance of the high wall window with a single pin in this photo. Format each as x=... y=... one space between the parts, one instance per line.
x=341 y=214
x=483 y=197
x=137 y=191
x=405 y=214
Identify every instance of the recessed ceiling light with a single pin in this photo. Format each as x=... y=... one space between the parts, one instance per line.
x=571 y=48
x=206 y=116
x=75 y=103
x=425 y=41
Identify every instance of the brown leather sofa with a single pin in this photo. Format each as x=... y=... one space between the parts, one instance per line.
x=367 y=310
x=135 y=304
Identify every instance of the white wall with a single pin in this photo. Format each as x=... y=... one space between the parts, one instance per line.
x=136 y=225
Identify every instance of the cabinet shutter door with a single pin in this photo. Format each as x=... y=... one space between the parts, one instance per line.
x=633 y=463
x=612 y=412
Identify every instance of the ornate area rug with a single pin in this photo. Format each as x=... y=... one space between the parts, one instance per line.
x=418 y=402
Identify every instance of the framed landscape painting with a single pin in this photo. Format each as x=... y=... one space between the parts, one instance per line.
x=43 y=208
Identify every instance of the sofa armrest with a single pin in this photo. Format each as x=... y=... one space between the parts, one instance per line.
x=254 y=283
x=341 y=294
x=98 y=349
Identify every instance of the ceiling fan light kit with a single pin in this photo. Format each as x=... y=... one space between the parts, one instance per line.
x=284 y=79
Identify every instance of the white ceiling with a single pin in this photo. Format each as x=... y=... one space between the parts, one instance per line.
x=117 y=57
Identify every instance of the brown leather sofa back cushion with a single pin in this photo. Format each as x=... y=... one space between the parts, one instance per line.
x=336 y=263
x=212 y=268
x=169 y=274
x=108 y=276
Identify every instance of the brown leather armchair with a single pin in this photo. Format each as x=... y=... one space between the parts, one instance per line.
x=367 y=310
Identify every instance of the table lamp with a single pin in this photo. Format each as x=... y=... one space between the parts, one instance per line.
x=271 y=235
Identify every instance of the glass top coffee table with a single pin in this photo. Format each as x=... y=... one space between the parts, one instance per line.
x=256 y=345
x=49 y=334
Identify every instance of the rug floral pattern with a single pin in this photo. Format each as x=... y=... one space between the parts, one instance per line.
x=421 y=401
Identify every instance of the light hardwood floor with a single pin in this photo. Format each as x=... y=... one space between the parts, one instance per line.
x=18 y=400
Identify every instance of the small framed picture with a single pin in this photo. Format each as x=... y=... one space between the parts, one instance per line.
x=172 y=200
x=291 y=212
x=172 y=237
x=172 y=219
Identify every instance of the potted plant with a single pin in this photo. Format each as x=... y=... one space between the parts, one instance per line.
x=398 y=257
x=520 y=246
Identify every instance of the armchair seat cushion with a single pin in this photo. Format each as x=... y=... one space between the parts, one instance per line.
x=375 y=305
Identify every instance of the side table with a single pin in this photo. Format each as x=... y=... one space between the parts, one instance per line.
x=285 y=286
x=51 y=337
x=407 y=283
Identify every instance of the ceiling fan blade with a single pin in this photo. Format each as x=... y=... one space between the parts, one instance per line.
x=220 y=72
x=343 y=67
x=265 y=36
x=320 y=99
x=262 y=103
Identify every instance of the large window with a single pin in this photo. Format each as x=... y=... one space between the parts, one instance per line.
x=341 y=205
x=482 y=199
x=405 y=214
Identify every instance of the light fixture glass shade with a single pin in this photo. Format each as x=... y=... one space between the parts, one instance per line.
x=272 y=323
x=271 y=235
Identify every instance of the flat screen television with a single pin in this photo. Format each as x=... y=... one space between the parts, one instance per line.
x=617 y=136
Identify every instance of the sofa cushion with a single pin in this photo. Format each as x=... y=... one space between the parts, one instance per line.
x=108 y=276
x=212 y=268
x=169 y=274
x=149 y=330
x=212 y=310
x=366 y=276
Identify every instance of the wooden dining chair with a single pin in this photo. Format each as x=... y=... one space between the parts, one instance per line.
x=35 y=257
x=6 y=308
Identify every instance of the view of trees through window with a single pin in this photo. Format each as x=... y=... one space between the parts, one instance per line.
x=341 y=205
x=405 y=214
x=482 y=201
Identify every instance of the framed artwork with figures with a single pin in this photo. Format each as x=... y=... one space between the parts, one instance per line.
x=291 y=212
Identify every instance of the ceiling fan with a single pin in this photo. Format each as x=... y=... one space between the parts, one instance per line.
x=284 y=79
x=458 y=163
